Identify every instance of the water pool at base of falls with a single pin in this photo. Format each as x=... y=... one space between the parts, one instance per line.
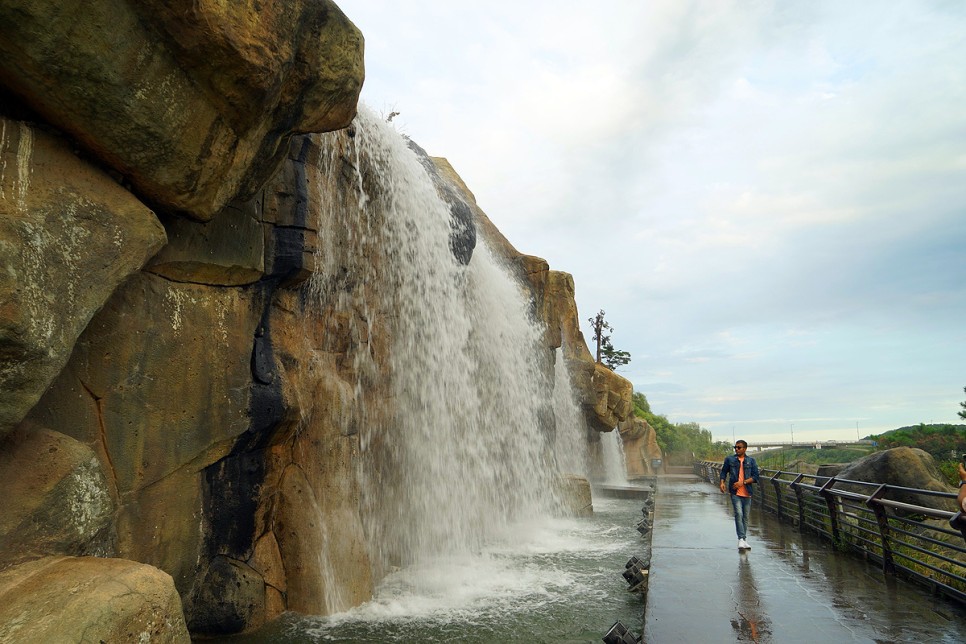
x=559 y=581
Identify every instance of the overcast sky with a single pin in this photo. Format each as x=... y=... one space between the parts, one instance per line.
x=766 y=197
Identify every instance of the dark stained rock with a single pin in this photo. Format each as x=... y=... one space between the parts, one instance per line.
x=229 y=598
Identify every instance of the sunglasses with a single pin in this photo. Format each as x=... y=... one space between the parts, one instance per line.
x=739 y=447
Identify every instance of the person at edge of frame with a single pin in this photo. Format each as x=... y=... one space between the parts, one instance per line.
x=961 y=499
x=740 y=472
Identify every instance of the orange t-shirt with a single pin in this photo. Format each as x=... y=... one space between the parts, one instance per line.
x=742 y=490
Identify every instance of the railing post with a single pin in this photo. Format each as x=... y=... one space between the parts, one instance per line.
x=832 y=511
x=778 y=495
x=801 y=501
x=888 y=565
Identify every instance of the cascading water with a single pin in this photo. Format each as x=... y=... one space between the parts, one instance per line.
x=440 y=372
x=457 y=454
x=571 y=446
x=612 y=454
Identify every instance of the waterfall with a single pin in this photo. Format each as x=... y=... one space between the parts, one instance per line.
x=571 y=445
x=612 y=453
x=453 y=451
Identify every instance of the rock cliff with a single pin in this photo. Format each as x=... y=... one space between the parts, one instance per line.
x=188 y=392
x=640 y=447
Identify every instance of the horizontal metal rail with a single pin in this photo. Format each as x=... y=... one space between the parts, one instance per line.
x=923 y=543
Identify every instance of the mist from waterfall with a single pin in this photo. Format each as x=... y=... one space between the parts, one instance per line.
x=453 y=454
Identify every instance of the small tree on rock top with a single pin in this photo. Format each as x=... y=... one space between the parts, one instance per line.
x=607 y=355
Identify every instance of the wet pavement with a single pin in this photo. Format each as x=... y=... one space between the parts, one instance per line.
x=790 y=587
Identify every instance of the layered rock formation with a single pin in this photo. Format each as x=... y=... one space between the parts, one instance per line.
x=188 y=401
x=641 y=450
x=162 y=400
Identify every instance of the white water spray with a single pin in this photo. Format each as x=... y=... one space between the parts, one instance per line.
x=572 y=450
x=457 y=455
x=612 y=454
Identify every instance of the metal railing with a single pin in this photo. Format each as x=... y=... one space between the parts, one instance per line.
x=905 y=530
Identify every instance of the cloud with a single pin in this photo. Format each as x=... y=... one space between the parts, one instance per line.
x=766 y=197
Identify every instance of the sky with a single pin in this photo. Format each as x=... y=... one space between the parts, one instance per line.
x=767 y=198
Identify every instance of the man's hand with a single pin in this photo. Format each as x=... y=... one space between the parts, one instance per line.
x=722 y=486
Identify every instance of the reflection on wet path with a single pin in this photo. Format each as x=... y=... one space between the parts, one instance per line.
x=751 y=619
x=789 y=588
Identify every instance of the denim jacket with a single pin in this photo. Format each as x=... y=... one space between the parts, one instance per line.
x=729 y=472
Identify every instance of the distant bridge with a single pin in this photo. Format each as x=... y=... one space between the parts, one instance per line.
x=760 y=446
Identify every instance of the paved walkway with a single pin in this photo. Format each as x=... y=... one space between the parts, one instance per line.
x=789 y=588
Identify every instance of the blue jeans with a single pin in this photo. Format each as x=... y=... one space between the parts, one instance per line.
x=742 y=506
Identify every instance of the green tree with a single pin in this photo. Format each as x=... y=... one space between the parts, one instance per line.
x=641 y=406
x=942 y=440
x=682 y=439
x=606 y=355
x=962 y=414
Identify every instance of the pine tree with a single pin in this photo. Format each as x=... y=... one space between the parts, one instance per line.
x=606 y=355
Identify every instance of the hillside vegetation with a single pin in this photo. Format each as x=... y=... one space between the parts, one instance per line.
x=945 y=442
x=779 y=459
x=681 y=442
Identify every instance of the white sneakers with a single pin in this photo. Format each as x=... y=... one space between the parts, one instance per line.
x=743 y=545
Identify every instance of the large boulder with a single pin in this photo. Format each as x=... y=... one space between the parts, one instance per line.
x=192 y=102
x=58 y=500
x=89 y=599
x=161 y=377
x=612 y=401
x=69 y=235
x=907 y=467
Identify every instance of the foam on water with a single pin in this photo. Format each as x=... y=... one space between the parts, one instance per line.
x=548 y=564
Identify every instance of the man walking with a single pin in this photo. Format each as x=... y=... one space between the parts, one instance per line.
x=739 y=472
